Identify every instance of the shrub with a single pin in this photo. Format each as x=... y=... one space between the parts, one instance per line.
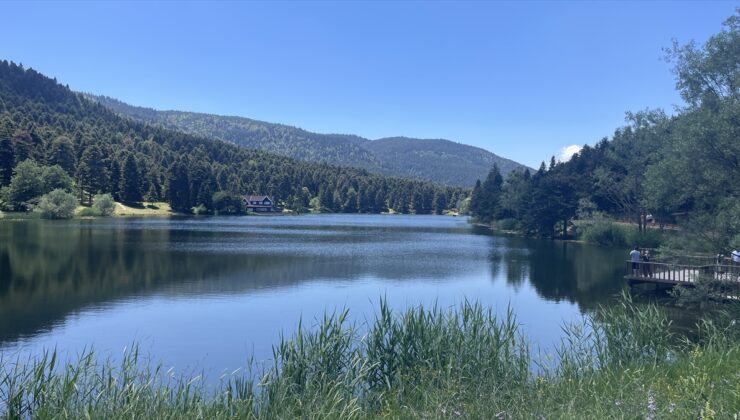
x=89 y=212
x=57 y=204
x=650 y=238
x=315 y=204
x=602 y=232
x=225 y=202
x=506 y=224
x=104 y=204
x=200 y=210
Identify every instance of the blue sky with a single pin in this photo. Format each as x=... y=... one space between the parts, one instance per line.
x=521 y=79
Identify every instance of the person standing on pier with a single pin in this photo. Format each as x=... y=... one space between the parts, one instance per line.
x=647 y=269
x=635 y=260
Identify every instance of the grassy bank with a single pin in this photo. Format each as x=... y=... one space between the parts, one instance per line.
x=428 y=363
x=146 y=209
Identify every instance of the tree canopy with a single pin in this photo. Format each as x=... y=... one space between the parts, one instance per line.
x=680 y=169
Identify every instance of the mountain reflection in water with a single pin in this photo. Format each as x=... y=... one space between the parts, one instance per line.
x=54 y=272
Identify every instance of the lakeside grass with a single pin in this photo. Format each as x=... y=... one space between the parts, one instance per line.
x=621 y=362
x=146 y=209
x=123 y=210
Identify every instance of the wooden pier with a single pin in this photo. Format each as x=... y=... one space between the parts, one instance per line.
x=727 y=277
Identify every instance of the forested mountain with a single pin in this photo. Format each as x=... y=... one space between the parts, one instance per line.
x=440 y=161
x=682 y=169
x=426 y=158
x=52 y=137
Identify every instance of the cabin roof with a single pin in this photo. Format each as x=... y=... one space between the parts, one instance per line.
x=258 y=197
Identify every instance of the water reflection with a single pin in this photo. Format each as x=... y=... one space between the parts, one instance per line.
x=51 y=270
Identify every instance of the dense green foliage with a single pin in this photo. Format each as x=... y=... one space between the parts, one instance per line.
x=104 y=204
x=622 y=362
x=57 y=204
x=602 y=231
x=682 y=169
x=30 y=181
x=45 y=124
x=435 y=160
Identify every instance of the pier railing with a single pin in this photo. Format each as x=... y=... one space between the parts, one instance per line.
x=689 y=259
x=662 y=272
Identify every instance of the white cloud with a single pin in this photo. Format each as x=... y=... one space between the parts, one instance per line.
x=567 y=152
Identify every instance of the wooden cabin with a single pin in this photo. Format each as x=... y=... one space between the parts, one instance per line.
x=260 y=203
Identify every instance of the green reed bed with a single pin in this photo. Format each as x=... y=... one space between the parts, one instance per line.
x=464 y=362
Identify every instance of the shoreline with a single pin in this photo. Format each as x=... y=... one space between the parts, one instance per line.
x=162 y=209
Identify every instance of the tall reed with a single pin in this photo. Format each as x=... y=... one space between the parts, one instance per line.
x=422 y=362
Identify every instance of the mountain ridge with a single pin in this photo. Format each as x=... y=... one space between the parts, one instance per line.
x=44 y=124
x=438 y=160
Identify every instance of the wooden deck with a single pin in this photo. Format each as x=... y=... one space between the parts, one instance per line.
x=727 y=277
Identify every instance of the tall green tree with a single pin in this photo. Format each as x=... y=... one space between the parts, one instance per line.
x=514 y=193
x=55 y=178
x=62 y=153
x=115 y=179
x=178 y=187
x=350 y=201
x=92 y=173
x=486 y=204
x=199 y=175
x=130 y=185
x=7 y=156
x=26 y=185
x=228 y=203
x=620 y=178
x=439 y=202
x=205 y=196
x=24 y=145
x=698 y=171
x=476 y=198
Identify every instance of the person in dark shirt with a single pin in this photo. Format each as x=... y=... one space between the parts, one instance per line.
x=647 y=268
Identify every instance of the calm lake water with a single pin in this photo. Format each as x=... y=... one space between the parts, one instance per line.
x=204 y=294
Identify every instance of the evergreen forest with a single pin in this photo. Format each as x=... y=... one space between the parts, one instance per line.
x=52 y=138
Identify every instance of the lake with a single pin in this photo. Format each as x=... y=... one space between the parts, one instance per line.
x=205 y=294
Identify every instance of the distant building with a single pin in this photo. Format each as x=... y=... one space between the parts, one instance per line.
x=260 y=203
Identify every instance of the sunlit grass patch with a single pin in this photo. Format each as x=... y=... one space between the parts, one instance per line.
x=145 y=209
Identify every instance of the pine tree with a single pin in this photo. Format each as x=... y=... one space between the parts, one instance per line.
x=62 y=153
x=115 y=179
x=7 y=158
x=130 y=185
x=379 y=202
x=476 y=199
x=178 y=187
x=439 y=202
x=22 y=146
x=199 y=174
x=326 y=198
x=92 y=173
x=205 y=196
x=350 y=201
